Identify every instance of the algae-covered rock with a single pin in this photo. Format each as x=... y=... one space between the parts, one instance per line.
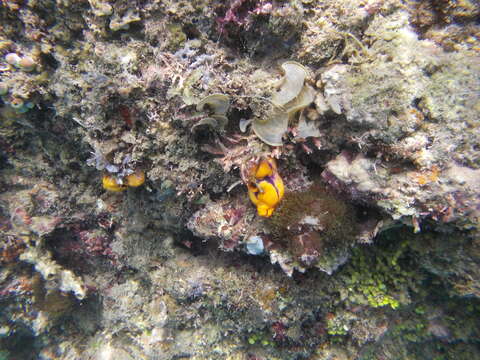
x=101 y=8
x=371 y=252
x=123 y=22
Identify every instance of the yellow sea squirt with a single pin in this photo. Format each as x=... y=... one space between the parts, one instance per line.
x=110 y=183
x=135 y=179
x=266 y=187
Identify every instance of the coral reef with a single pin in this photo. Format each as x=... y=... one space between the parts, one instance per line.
x=128 y=131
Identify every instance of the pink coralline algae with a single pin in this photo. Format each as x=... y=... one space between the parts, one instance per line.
x=90 y=244
x=98 y=245
x=240 y=11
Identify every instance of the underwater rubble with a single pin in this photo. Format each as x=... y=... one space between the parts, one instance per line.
x=241 y=179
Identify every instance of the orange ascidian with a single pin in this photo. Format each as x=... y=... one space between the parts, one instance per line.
x=136 y=179
x=265 y=187
x=110 y=183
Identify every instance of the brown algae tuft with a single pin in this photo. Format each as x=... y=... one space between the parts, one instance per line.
x=313 y=224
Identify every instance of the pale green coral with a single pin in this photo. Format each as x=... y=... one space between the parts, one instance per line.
x=377 y=277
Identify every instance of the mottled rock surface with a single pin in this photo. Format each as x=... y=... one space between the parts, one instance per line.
x=374 y=251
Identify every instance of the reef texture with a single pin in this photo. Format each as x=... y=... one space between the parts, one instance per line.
x=370 y=110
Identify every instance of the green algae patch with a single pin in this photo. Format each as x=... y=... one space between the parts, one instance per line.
x=177 y=37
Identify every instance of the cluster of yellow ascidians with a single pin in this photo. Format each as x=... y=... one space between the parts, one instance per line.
x=265 y=186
